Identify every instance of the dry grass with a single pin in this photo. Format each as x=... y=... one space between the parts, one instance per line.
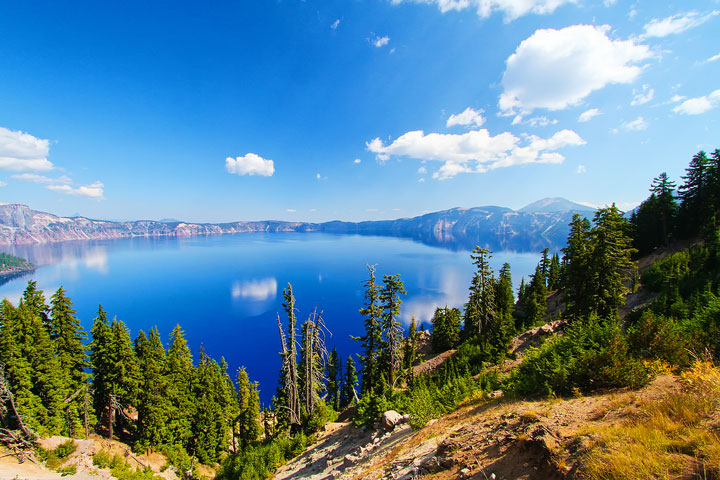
x=667 y=437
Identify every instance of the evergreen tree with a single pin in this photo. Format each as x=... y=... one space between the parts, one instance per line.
x=153 y=404
x=248 y=401
x=535 y=298
x=410 y=350
x=695 y=195
x=611 y=265
x=179 y=374
x=446 y=329
x=577 y=278
x=68 y=336
x=33 y=368
x=334 y=380
x=544 y=266
x=504 y=299
x=372 y=340
x=554 y=274
x=350 y=381
x=480 y=309
x=390 y=299
x=210 y=431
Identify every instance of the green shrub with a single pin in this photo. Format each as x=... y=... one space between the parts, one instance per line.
x=370 y=407
x=592 y=355
x=258 y=462
x=65 y=449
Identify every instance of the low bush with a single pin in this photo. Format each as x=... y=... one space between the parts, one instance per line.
x=591 y=355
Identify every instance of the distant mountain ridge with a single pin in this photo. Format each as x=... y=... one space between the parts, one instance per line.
x=499 y=228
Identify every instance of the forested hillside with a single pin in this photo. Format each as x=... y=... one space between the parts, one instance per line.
x=54 y=380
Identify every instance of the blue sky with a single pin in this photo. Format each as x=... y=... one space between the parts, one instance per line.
x=354 y=109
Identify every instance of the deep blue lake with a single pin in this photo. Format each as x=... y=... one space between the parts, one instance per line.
x=226 y=290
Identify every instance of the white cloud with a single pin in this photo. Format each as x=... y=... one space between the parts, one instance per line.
x=643 y=96
x=714 y=58
x=291 y=210
x=379 y=41
x=255 y=290
x=588 y=115
x=541 y=122
x=511 y=9
x=20 y=151
x=469 y=116
x=94 y=190
x=421 y=180
x=698 y=105
x=250 y=164
x=609 y=3
x=677 y=98
x=320 y=177
x=357 y=160
x=35 y=178
x=335 y=24
x=554 y=69
x=634 y=125
x=475 y=151
x=3 y=184
x=581 y=169
x=422 y=170
x=676 y=24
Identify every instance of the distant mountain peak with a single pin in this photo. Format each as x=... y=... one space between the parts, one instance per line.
x=555 y=204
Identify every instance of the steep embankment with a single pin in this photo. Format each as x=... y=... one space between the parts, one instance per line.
x=546 y=439
x=497 y=227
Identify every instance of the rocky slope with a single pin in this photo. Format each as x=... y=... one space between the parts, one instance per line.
x=497 y=227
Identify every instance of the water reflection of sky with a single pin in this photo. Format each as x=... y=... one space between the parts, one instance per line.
x=225 y=291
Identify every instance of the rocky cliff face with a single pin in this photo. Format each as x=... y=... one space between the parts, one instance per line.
x=459 y=228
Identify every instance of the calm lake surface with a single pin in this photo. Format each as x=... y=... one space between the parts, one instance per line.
x=226 y=290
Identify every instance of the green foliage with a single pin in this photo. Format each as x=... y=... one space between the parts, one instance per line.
x=55 y=458
x=446 y=329
x=350 y=381
x=370 y=407
x=120 y=469
x=392 y=331
x=591 y=355
x=260 y=461
x=248 y=401
x=371 y=342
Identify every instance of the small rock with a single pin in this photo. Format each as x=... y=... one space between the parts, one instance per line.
x=496 y=394
x=390 y=419
x=465 y=472
x=350 y=461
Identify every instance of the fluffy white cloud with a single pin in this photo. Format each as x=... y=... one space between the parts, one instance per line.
x=357 y=160
x=94 y=190
x=581 y=169
x=511 y=9
x=35 y=178
x=335 y=24
x=698 y=105
x=422 y=170
x=714 y=58
x=2 y=184
x=662 y=27
x=475 y=151
x=469 y=116
x=554 y=69
x=20 y=151
x=380 y=41
x=643 y=96
x=250 y=164
x=588 y=115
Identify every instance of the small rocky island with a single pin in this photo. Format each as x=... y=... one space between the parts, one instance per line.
x=12 y=266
